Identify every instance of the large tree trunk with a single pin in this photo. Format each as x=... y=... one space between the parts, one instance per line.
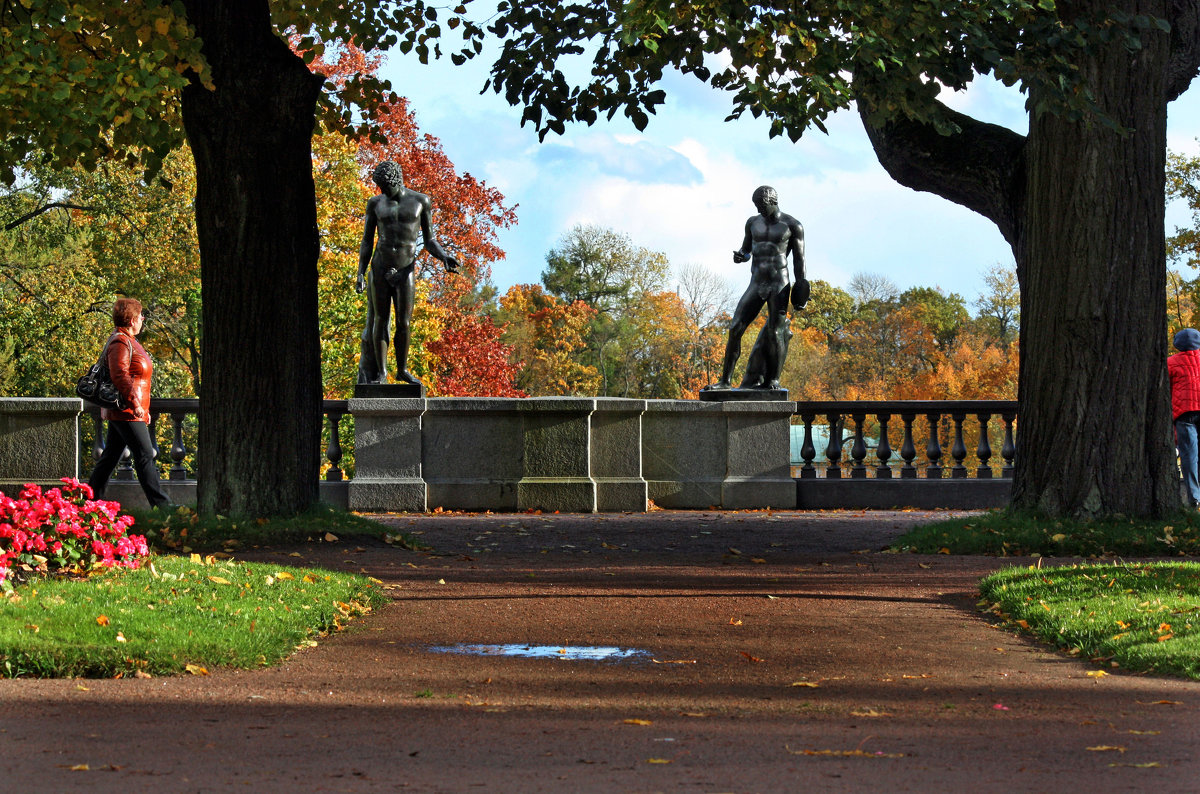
x=1082 y=205
x=260 y=407
x=1095 y=432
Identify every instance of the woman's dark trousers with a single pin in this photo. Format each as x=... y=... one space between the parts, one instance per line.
x=135 y=436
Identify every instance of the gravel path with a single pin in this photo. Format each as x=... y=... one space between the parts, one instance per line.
x=779 y=652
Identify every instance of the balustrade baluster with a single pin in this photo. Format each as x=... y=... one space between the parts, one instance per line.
x=933 y=450
x=834 y=450
x=859 y=450
x=984 y=450
x=334 y=451
x=884 y=450
x=1008 y=450
x=97 y=435
x=908 y=450
x=807 y=451
x=958 y=450
x=178 y=450
x=154 y=433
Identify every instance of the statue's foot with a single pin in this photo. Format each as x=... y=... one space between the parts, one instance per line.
x=721 y=385
x=407 y=377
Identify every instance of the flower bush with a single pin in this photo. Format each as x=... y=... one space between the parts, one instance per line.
x=63 y=529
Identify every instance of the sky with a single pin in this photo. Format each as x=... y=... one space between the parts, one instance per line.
x=683 y=186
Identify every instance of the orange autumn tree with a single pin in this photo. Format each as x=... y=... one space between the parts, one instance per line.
x=547 y=337
x=456 y=347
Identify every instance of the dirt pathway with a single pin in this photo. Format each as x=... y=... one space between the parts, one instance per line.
x=781 y=652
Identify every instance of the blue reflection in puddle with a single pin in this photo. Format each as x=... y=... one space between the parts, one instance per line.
x=575 y=653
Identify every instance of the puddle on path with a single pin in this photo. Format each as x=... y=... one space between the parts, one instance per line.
x=574 y=653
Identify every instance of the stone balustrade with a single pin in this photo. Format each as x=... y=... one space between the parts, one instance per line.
x=583 y=454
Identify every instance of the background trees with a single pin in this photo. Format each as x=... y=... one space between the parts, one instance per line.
x=1080 y=198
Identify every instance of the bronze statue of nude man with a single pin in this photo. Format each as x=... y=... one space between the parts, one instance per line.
x=399 y=215
x=770 y=237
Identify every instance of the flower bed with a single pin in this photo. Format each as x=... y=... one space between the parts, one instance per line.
x=64 y=529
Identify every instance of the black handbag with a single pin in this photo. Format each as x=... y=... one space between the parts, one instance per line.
x=96 y=385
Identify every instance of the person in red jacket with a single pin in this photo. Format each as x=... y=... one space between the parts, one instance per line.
x=1184 y=369
x=130 y=367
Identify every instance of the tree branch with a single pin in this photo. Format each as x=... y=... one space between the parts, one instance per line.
x=62 y=205
x=1184 y=62
x=982 y=167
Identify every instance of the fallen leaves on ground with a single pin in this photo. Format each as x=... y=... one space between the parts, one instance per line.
x=751 y=657
x=870 y=713
x=195 y=669
x=846 y=753
x=809 y=684
x=1106 y=748
x=637 y=722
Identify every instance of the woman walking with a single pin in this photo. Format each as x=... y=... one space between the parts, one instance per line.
x=130 y=368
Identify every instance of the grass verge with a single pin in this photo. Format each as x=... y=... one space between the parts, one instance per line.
x=175 y=614
x=1007 y=534
x=1142 y=617
x=183 y=529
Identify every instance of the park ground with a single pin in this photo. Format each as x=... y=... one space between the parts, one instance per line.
x=783 y=652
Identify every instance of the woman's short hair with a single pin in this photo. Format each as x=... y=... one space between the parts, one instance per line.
x=125 y=311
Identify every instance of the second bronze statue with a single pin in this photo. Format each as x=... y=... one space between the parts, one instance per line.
x=770 y=237
x=401 y=217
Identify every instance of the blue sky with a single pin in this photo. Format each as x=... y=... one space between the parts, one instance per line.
x=683 y=186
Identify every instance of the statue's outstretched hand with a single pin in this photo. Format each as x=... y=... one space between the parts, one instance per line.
x=451 y=264
x=800 y=294
x=739 y=257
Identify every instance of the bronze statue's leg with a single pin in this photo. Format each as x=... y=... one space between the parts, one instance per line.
x=773 y=343
x=405 y=292
x=383 y=316
x=368 y=362
x=747 y=309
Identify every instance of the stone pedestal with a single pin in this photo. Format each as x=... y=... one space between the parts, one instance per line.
x=473 y=453
x=743 y=395
x=556 y=474
x=683 y=453
x=616 y=455
x=39 y=441
x=387 y=455
x=758 y=457
x=389 y=391
x=730 y=455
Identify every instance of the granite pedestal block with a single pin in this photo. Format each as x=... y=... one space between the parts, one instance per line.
x=39 y=441
x=388 y=455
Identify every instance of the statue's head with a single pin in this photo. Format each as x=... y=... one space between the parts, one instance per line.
x=766 y=200
x=389 y=176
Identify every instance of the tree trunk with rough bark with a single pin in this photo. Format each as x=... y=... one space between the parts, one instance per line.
x=1095 y=429
x=260 y=407
x=1082 y=205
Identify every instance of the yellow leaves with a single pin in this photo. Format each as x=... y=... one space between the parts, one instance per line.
x=1058 y=537
x=80 y=768
x=808 y=684
x=102 y=620
x=673 y=661
x=1148 y=765
x=1106 y=748
x=283 y=576
x=869 y=712
x=309 y=579
x=636 y=722
x=195 y=669
x=1097 y=674
x=1144 y=733
x=858 y=753
x=658 y=760
x=162 y=25
x=219 y=580
x=735 y=622
x=330 y=537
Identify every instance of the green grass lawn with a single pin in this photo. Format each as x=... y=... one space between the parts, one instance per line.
x=1005 y=534
x=1142 y=617
x=175 y=614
